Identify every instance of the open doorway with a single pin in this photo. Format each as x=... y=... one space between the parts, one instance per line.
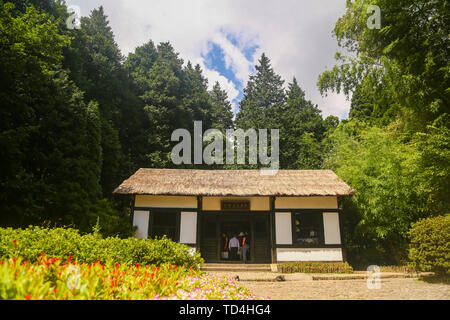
x=217 y=224
x=230 y=229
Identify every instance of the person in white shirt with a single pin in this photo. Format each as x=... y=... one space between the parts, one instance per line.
x=234 y=247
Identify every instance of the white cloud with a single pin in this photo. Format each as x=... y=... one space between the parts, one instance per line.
x=295 y=34
x=234 y=58
x=226 y=84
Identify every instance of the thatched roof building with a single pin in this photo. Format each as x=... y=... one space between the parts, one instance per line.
x=185 y=182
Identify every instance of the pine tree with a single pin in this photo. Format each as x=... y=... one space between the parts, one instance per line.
x=264 y=97
x=221 y=112
x=301 y=131
x=95 y=61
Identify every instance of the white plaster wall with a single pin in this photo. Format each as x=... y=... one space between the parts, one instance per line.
x=188 y=227
x=331 y=228
x=309 y=254
x=283 y=228
x=140 y=219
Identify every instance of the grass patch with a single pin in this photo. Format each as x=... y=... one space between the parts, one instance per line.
x=393 y=268
x=435 y=279
x=315 y=267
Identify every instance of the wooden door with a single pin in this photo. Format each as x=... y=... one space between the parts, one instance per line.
x=209 y=237
x=261 y=238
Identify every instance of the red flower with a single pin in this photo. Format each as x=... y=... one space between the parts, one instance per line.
x=28 y=296
x=15 y=242
x=137 y=265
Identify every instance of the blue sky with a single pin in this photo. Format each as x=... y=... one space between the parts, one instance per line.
x=214 y=59
x=227 y=38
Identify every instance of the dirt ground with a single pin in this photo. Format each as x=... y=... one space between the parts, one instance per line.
x=391 y=289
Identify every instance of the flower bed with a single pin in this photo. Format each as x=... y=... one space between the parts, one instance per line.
x=53 y=278
x=210 y=287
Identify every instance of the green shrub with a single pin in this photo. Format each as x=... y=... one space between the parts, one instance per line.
x=30 y=243
x=315 y=267
x=430 y=245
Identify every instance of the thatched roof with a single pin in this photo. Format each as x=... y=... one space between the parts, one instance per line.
x=233 y=183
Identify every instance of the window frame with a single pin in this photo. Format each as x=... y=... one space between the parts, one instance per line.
x=320 y=213
x=320 y=231
x=151 y=217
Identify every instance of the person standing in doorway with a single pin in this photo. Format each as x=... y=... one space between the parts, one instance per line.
x=245 y=247
x=225 y=249
x=240 y=237
x=234 y=247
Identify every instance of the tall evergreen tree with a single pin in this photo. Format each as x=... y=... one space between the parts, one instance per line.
x=95 y=61
x=221 y=111
x=195 y=95
x=172 y=97
x=49 y=137
x=301 y=131
x=264 y=96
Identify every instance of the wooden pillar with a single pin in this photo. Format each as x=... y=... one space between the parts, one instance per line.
x=199 y=223
x=218 y=236
x=252 y=238
x=133 y=203
x=341 y=229
x=272 y=230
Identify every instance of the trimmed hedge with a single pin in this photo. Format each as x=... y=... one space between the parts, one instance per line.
x=315 y=267
x=430 y=245
x=30 y=243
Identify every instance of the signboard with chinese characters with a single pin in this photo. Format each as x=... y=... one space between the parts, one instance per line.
x=235 y=205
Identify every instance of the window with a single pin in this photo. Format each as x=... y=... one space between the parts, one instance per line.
x=164 y=223
x=307 y=228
